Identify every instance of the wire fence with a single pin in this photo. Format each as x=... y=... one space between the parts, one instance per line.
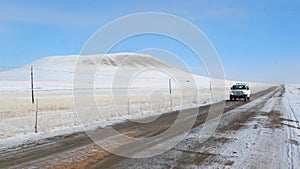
x=54 y=90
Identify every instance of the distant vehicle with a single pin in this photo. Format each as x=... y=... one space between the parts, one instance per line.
x=240 y=90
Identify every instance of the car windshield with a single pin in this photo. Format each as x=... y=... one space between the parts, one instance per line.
x=239 y=87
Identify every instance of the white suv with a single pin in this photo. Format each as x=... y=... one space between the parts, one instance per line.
x=240 y=90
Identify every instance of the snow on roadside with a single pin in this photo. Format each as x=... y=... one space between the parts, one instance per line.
x=53 y=87
x=291 y=108
x=16 y=130
x=264 y=142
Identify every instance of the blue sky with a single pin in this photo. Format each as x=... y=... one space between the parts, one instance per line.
x=256 y=40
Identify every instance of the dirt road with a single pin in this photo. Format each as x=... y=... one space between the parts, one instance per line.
x=255 y=134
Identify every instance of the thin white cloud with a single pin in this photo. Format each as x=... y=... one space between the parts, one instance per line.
x=44 y=15
x=207 y=11
x=194 y=11
x=3 y=29
x=282 y=73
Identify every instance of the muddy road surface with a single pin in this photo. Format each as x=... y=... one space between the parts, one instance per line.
x=259 y=133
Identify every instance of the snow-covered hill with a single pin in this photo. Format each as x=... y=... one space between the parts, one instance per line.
x=60 y=70
x=62 y=67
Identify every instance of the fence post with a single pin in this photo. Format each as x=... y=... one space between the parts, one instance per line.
x=128 y=107
x=170 y=90
x=32 y=94
x=36 y=116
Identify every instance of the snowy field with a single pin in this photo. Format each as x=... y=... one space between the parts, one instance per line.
x=147 y=93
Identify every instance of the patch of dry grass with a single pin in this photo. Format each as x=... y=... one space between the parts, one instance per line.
x=14 y=107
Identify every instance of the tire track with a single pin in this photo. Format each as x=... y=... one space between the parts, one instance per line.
x=32 y=153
